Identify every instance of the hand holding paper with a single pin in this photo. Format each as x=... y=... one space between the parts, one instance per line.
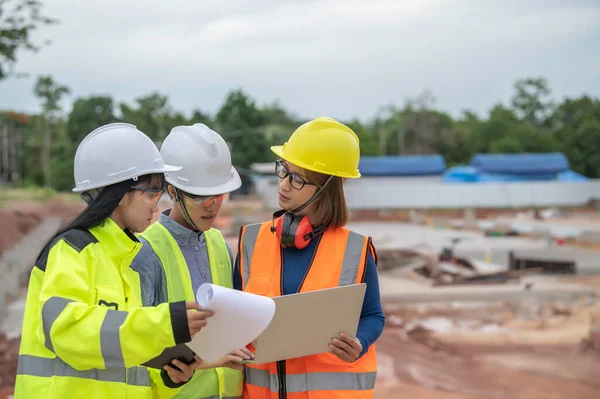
x=239 y=317
x=196 y=317
x=234 y=360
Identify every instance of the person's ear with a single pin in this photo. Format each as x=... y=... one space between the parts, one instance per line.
x=171 y=191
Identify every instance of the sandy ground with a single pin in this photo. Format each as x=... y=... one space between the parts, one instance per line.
x=489 y=351
x=516 y=346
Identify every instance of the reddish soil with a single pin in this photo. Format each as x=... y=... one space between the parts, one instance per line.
x=421 y=363
x=9 y=354
x=18 y=219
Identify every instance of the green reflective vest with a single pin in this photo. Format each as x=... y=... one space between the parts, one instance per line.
x=212 y=383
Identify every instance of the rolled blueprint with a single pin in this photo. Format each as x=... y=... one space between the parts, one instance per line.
x=240 y=317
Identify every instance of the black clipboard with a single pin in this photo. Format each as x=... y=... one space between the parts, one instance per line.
x=181 y=352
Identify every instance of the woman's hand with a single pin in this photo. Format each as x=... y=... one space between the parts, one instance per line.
x=346 y=348
x=187 y=371
x=233 y=360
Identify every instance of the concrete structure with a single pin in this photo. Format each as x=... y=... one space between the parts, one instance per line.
x=405 y=193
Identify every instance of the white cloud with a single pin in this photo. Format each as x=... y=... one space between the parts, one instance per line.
x=338 y=57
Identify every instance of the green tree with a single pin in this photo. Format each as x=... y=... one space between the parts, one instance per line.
x=18 y=20
x=243 y=126
x=531 y=101
x=88 y=114
x=574 y=124
x=50 y=93
x=368 y=143
x=585 y=149
x=425 y=129
x=201 y=117
x=387 y=130
x=152 y=115
x=506 y=145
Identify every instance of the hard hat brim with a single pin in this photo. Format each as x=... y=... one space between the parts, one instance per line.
x=231 y=185
x=278 y=150
x=165 y=168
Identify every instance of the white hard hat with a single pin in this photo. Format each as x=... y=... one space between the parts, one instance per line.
x=205 y=160
x=114 y=153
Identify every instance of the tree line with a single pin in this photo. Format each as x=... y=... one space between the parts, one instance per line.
x=532 y=121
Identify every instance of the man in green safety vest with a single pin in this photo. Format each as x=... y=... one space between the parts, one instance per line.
x=182 y=250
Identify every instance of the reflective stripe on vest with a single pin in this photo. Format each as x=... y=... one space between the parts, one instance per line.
x=47 y=367
x=249 y=241
x=312 y=381
x=109 y=331
x=204 y=383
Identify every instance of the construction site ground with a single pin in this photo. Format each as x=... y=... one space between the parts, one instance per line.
x=537 y=337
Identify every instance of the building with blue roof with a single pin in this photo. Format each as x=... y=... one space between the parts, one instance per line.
x=514 y=168
x=402 y=165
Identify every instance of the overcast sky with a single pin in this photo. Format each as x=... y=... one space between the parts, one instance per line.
x=341 y=58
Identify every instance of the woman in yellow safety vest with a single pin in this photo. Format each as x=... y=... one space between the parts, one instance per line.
x=85 y=332
x=183 y=250
x=305 y=248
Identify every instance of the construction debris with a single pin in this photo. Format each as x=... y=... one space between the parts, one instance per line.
x=592 y=342
x=443 y=269
x=544 y=263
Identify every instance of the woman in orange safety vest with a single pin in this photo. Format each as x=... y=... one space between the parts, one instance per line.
x=305 y=248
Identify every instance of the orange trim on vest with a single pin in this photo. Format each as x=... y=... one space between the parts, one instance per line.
x=339 y=254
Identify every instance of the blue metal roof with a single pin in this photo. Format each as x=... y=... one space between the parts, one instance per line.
x=402 y=165
x=529 y=164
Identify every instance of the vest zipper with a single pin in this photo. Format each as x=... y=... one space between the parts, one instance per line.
x=281 y=372
x=281 y=375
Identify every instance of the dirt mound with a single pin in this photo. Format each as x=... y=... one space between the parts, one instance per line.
x=14 y=226
x=19 y=219
x=489 y=361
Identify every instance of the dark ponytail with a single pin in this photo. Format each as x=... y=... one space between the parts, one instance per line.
x=104 y=205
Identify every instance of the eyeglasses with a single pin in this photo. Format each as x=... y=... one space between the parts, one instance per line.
x=205 y=201
x=153 y=195
x=296 y=181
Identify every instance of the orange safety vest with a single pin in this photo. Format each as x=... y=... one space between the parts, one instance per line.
x=340 y=259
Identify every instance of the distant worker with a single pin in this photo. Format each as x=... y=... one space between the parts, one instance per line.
x=85 y=331
x=182 y=250
x=305 y=248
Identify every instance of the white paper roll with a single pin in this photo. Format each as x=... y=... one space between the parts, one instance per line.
x=240 y=317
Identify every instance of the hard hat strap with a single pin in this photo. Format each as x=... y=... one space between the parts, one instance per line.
x=314 y=196
x=305 y=235
x=186 y=215
x=90 y=195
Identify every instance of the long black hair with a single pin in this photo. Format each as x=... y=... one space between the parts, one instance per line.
x=104 y=204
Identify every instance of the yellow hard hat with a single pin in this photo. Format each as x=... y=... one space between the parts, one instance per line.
x=323 y=145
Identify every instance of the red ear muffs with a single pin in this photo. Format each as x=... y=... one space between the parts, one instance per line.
x=293 y=230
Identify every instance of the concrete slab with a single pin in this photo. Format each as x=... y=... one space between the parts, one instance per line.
x=12 y=323
x=400 y=290
x=393 y=235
